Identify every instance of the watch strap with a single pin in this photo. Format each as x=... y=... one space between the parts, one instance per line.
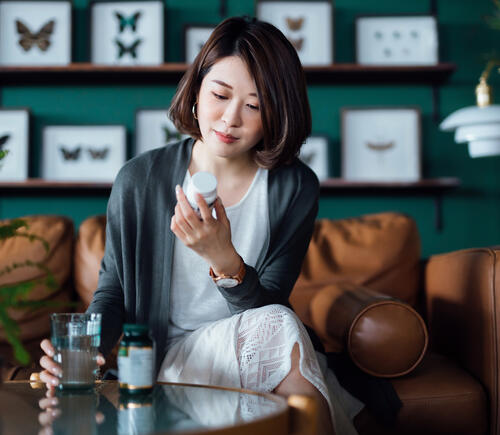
x=238 y=277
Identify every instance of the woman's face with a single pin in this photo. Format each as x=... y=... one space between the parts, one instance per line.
x=228 y=109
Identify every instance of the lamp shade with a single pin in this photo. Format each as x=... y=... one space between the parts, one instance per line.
x=480 y=126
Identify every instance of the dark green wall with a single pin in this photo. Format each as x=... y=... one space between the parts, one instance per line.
x=471 y=214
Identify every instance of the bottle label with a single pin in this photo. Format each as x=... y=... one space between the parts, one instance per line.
x=135 y=367
x=135 y=419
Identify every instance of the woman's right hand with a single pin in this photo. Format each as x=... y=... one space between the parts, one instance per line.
x=50 y=376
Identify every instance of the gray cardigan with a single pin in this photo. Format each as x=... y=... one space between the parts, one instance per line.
x=134 y=280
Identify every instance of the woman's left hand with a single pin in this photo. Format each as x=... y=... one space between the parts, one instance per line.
x=208 y=237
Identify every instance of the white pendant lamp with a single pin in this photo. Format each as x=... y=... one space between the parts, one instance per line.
x=478 y=125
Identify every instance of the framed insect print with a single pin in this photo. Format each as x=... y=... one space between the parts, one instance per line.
x=154 y=129
x=83 y=153
x=381 y=144
x=35 y=32
x=314 y=153
x=308 y=25
x=127 y=32
x=14 y=144
x=195 y=37
x=397 y=40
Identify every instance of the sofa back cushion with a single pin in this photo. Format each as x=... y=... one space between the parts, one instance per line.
x=379 y=251
x=57 y=231
x=89 y=251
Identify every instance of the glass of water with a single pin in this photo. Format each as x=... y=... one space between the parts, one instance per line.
x=76 y=338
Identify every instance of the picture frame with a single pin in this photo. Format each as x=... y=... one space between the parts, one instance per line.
x=86 y=153
x=154 y=129
x=401 y=40
x=195 y=36
x=36 y=32
x=15 y=138
x=127 y=32
x=308 y=25
x=315 y=154
x=381 y=143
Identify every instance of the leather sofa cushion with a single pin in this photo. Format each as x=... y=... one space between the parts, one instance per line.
x=383 y=336
x=438 y=398
x=462 y=290
x=380 y=251
x=57 y=231
x=89 y=251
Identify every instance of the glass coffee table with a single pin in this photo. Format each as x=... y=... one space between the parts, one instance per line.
x=27 y=408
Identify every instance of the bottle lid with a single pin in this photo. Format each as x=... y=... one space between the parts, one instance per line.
x=205 y=184
x=135 y=327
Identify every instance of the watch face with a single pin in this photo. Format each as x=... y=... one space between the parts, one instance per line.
x=227 y=282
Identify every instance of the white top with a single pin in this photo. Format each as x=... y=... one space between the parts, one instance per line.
x=195 y=300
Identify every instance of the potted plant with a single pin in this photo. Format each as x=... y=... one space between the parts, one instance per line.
x=16 y=296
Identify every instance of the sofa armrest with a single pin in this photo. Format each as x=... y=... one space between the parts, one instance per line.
x=462 y=291
x=383 y=336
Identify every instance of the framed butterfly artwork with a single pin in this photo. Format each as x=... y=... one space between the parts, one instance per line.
x=90 y=153
x=195 y=36
x=127 y=32
x=308 y=25
x=315 y=154
x=154 y=129
x=381 y=143
x=14 y=143
x=397 y=40
x=35 y=32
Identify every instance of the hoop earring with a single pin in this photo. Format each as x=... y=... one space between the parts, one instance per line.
x=194 y=111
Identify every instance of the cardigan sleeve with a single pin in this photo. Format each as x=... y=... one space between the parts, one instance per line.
x=273 y=282
x=108 y=299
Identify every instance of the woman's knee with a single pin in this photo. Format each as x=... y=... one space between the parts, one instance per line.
x=277 y=310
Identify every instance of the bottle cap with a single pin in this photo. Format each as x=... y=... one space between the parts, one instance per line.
x=205 y=184
x=133 y=327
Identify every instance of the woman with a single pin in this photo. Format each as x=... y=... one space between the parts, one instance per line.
x=245 y=106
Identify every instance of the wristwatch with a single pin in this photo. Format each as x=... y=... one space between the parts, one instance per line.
x=229 y=281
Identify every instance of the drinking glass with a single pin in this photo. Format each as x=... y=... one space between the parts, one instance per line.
x=76 y=338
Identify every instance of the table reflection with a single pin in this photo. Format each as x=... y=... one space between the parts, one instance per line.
x=168 y=408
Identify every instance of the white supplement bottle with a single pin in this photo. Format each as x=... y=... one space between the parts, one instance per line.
x=205 y=184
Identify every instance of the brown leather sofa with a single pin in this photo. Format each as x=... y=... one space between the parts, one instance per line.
x=429 y=327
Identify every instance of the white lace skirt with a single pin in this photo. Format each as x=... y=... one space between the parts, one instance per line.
x=252 y=350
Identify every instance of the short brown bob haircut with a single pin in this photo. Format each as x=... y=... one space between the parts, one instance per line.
x=279 y=78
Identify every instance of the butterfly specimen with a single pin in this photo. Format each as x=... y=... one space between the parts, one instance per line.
x=124 y=21
x=171 y=135
x=297 y=43
x=28 y=39
x=70 y=154
x=294 y=24
x=98 y=154
x=3 y=141
x=382 y=146
x=132 y=49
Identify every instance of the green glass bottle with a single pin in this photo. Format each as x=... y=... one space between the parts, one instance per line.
x=136 y=360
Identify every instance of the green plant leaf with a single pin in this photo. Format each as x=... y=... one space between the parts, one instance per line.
x=9 y=294
x=16 y=295
x=12 y=332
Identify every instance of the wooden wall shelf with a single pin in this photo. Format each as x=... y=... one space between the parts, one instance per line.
x=87 y=73
x=434 y=187
x=430 y=186
x=331 y=186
